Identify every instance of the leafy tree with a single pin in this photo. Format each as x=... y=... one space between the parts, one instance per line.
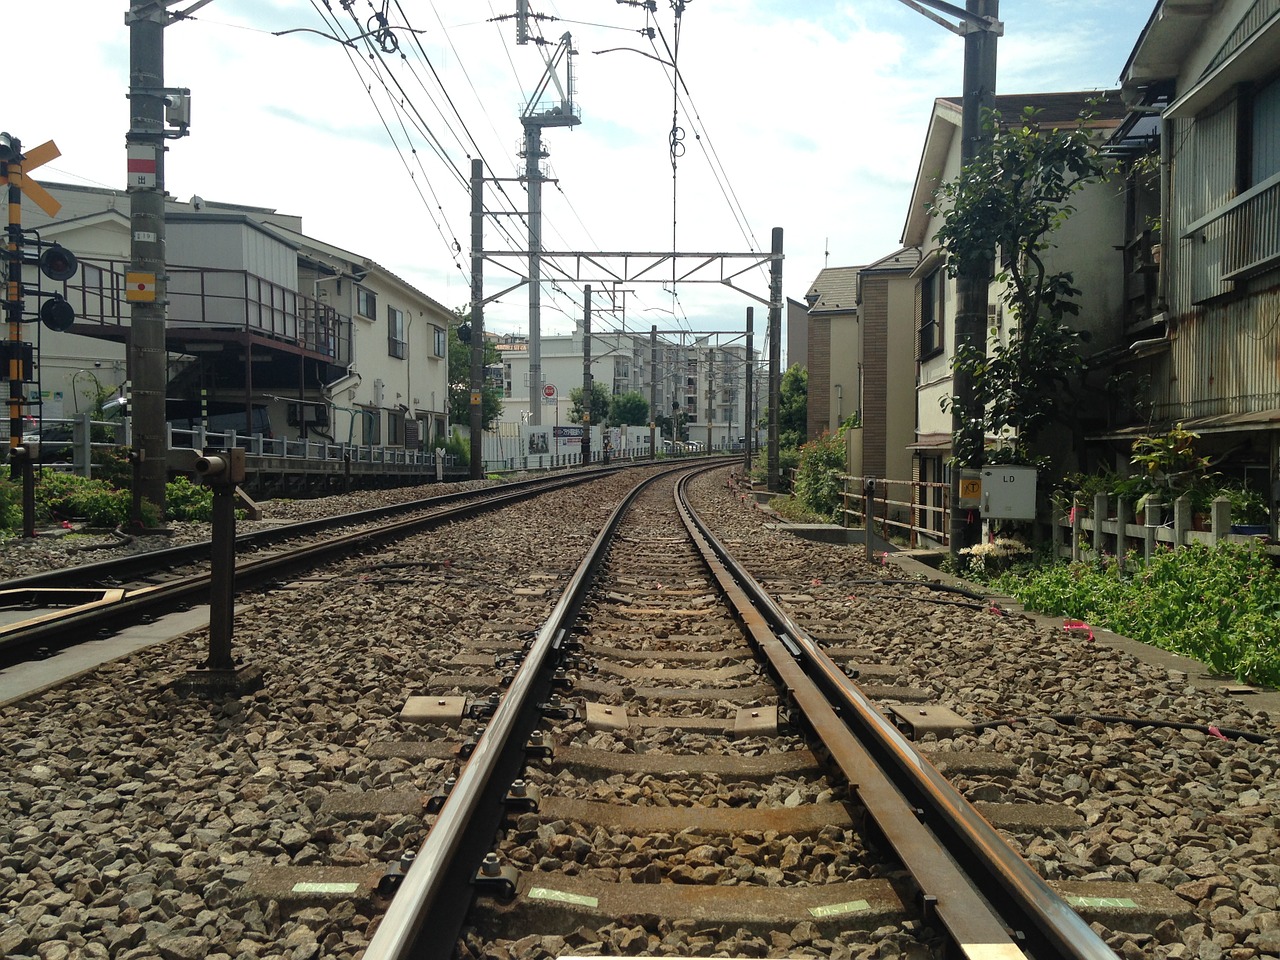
x=460 y=379
x=599 y=404
x=628 y=409
x=1012 y=199
x=793 y=407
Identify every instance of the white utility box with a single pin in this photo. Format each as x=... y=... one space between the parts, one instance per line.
x=1008 y=492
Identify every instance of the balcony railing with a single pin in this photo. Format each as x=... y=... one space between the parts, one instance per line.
x=201 y=297
x=1236 y=241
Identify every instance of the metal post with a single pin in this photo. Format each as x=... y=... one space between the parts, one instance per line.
x=222 y=577
x=975 y=272
x=869 y=506
x=476 y=409
x=653 y=391
x=587 y=384
x=13 y=304
x=533 y=178
x=775 y=357
x=748 y=425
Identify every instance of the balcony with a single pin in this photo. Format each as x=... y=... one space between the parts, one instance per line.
x=1236 y=241
x=205 y=301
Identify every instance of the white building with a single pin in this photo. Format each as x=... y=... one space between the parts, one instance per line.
x=260 y=317
x=693 y=379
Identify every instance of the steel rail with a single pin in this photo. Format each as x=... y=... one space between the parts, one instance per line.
x=978 y=860
x=74 y=624
x=109 y=572
x=439 y=885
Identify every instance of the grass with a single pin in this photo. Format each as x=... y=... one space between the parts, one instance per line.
x=1217 y=605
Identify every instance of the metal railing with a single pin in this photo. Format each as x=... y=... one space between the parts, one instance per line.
x=910 y=510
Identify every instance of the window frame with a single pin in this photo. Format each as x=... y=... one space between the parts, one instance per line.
x=931 y=329
x=397 y=345
x=366 y=298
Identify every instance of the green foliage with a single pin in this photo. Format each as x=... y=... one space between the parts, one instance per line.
x=457 y=447
x=1011 y=199
x=10 y=504
x=1168 y=466
x=788 y=461
x=65 y=496
x=793 y=408
x=184 y=500
x=819 y=482
x=796 y=511
x=599 y=404
x=460 y=380
x=1217 y=605
x=628 y=409
x=1247 y=505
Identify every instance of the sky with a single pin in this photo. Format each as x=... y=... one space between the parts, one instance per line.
x=804 y=115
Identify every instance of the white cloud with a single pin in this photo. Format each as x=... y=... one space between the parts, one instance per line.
x=815 y=111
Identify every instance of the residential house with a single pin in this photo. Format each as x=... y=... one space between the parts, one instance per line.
x=1202 y=146
x=1086 y=245
x=327 y=342
x=834 y=344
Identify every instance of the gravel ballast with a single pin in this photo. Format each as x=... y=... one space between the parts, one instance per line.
x=132 y=819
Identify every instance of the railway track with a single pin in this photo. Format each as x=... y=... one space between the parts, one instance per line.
x=712 y=771
x=328 y=814
x=57 y=608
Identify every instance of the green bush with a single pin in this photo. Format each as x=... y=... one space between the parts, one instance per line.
x=818 y=483
x=788 y=460
x=10 y=504
x=1217 y=605
x=65 y=496
x=184 y=500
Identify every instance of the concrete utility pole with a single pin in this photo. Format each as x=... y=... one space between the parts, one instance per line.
x=980 y=27
x=587 y=383
x=747 y=419
x=476 y=409
x=653 y=390
x=146 y=282
x=537 y=115
x=975 y=277
x=775 y=357
x=711 y=396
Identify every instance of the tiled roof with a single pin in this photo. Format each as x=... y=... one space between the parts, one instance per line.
x=835 y=290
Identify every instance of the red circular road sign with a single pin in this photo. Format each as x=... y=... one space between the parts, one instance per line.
x=549 y=390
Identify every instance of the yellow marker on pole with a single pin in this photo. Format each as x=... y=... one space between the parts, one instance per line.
x=140 y=287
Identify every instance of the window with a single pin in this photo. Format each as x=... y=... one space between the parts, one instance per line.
x=366 y=303
x=1264 y=131
x=932 y=313
x=371 y=425
x=396 y=346
x=395 y=428
x=442 y=342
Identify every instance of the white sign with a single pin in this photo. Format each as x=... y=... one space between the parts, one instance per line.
x=549 y=391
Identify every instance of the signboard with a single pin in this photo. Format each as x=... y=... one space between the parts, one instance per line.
x=142 y=165
x=140 y=287
x=970 y=489
x=549 y=391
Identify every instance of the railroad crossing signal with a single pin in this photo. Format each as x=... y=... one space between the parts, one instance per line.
x=25 y=163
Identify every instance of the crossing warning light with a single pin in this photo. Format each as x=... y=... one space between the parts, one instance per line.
x=57 y=262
